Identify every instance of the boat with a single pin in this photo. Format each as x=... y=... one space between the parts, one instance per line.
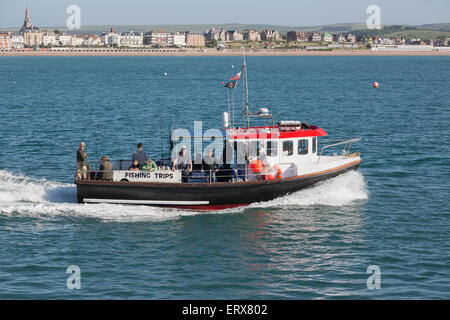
x=258 y=163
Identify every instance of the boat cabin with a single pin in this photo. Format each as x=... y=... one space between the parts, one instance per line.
x=291 y=145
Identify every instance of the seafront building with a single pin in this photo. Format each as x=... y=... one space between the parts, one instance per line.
x=327 y=37
x=234 y=35
x=65 y=39
x=17 y=42
x=5 y=41
x=177 y=39
x=49 y=39
x=156 y=38
x=297 y=36
x=217 y=35
x=252 y=35
x=195 y=40
x=270 y=35
x=130 y=39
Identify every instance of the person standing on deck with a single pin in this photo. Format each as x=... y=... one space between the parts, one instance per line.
x=140 y=155
x=81 y=161
x=210 y=166
x=183 y=162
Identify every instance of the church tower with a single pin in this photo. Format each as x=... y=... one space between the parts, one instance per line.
x=27 y=22
x=27 y=26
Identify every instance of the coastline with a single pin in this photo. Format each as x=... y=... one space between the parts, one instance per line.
x=216 y=53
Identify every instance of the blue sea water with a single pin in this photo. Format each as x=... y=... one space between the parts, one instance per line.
x=317 y=243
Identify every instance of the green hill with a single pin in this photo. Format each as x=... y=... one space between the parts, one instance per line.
x=407 y=32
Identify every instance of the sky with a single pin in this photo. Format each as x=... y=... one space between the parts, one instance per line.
x=276 y=12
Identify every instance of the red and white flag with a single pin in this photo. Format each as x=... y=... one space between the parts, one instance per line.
x=236 y=77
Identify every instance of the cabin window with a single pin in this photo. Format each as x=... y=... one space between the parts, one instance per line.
x=253 y=148
x=303 y=146
x=288 y=148
x=272 y=148
x=314 y=145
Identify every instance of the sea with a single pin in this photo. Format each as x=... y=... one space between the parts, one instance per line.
x=381 y=232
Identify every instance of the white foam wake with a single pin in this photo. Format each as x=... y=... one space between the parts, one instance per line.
x=19 y=188
x=47 y=199
x=25 y=196
x=339 y=191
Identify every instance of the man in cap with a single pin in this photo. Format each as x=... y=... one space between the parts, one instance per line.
x=106 y=169
x=183 y=162
x=81 y=160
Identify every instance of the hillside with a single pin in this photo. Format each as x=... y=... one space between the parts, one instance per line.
x=407 y=32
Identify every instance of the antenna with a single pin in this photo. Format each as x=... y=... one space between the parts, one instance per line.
x=96 y=146
x=244 y=90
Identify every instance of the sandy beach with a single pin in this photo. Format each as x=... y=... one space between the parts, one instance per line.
x=214 y=52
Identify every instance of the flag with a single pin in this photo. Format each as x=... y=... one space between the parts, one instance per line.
x=236 y=77
x=230 y=84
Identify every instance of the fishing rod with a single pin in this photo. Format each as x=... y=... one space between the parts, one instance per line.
x=162 y=144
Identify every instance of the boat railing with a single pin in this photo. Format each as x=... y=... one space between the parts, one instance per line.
x=346 y=142
x=221 y=174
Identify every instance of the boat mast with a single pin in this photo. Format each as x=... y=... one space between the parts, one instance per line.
x=244 y=91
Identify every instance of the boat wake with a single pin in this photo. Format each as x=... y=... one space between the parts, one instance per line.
x=339 y=191
x=24 y=196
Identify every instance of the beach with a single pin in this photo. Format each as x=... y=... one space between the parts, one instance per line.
x=214 y=52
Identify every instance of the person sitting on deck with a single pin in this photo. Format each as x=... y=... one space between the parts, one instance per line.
x=135 y=166
x=149 y=165
x=183 y=162
x=106 y=169
x=139 y=155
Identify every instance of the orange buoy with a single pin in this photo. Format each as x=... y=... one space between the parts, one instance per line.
x=256 y=166
x=279 y=171
x=376 y=84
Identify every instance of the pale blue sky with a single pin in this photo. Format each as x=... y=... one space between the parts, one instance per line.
x=278 y=12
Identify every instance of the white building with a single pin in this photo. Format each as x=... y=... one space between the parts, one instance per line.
x=17 y=41
x=49 y=39
x=110 y=38
x=65 y=39
x=76 y=41
x=177 y=39
x=114 y=39
x=351 y=38
x=92 y=41
x=130 y=39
